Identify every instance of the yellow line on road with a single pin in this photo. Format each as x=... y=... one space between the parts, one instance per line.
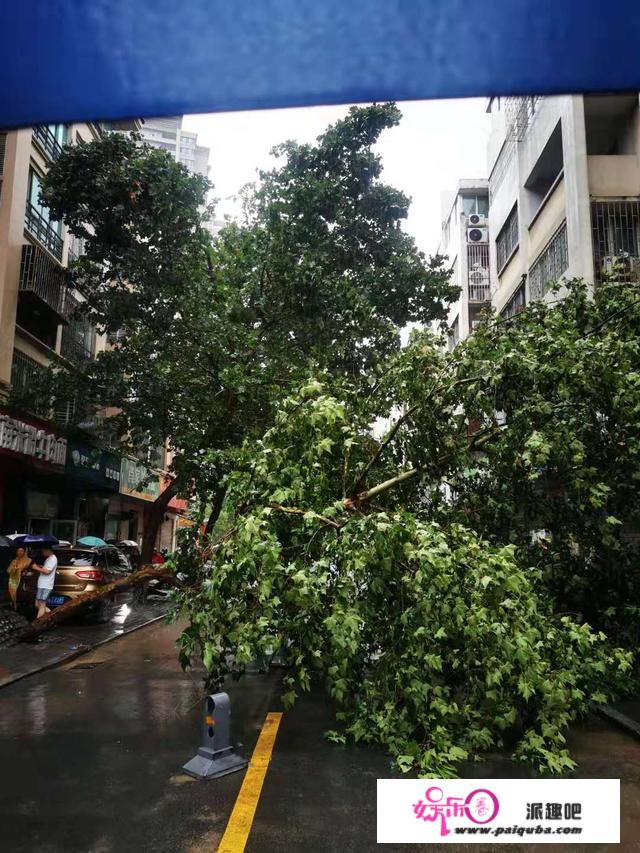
x=237 y=832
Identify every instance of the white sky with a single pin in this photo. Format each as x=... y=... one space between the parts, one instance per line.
x=436 y=144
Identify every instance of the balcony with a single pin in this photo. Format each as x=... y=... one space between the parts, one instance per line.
x=46 y=141
x=44 y=280
x=615 y=229
x=78 y=336
x=479 y=292
x=42 y=230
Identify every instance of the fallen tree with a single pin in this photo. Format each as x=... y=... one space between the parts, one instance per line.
x=401 y=573
x=77 y=605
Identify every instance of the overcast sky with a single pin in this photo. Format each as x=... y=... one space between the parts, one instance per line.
x=436 y=143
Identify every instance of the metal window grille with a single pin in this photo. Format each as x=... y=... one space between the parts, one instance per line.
x=37 y=225
x=42 y=276
x=550 y=265
x=47 y=141
x=478 y=272
x=615 y=228
x=78 y=336
x=515 y=304
x=507 y=239
x=25 y=372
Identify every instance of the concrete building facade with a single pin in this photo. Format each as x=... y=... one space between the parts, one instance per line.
x=168 y=134
x=465 y=242
x=564 y=192
x=55 y=475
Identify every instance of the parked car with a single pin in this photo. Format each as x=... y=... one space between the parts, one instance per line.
x=79 y=570
x=128 y=547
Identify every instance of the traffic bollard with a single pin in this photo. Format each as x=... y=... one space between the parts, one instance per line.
x=215 y=757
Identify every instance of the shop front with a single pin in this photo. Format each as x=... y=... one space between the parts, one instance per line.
x=34 y=494
x=139 y=485
x=94 y=475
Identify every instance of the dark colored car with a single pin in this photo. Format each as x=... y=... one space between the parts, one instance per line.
x=79 y=570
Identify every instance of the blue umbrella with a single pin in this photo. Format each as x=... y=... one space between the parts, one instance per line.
x=91 y=541
x=33 y=539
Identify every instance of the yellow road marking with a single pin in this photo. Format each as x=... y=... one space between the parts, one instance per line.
x=237 y=832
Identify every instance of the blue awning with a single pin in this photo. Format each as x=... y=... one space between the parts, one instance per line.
x=109 y=59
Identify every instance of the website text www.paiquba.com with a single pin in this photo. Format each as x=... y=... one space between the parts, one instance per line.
x=518 y=830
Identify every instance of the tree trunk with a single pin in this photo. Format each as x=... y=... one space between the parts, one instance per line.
x=216 y=509
x=153 y=515
x=76 y=605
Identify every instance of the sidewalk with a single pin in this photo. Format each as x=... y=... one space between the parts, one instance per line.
x=71 y=640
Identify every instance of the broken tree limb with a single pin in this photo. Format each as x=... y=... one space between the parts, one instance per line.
x=363 y=497
x=76 y=605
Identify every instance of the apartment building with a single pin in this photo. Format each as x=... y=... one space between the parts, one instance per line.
x=55 y=477
x=465 y=241
x=168 y=134
x=564 y=193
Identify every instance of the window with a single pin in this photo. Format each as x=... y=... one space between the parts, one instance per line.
x=610 y=124
x=507 y=240
x=550 y=264
x=475 y=204
x=615 y=226
x=515 y=304
x=545 y=173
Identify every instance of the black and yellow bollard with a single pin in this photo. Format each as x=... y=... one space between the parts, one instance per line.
x=215 y=757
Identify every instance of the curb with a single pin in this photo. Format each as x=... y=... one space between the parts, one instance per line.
x=621 y=720
x=78 y=652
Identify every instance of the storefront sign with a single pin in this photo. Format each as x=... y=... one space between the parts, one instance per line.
x=179 y=505
x=31 y=441
x=93 y=467
x=138 y=481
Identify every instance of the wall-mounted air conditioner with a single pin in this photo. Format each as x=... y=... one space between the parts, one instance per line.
x=477 y=235
x=477 y=219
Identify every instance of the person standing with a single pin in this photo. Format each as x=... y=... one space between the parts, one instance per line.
x=17 y=566
x=45 y=581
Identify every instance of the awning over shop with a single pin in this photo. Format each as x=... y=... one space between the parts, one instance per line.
x=72 y=59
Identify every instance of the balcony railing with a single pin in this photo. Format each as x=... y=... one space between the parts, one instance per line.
x=37 y=225
x=615 y=228
x=25 y=372
x=47 y=141
x=479 y=292
x=78 y=336
x=43 y=277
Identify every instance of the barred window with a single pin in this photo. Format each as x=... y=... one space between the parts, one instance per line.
x=550 y=264
x=507 y=240
x=515 y=304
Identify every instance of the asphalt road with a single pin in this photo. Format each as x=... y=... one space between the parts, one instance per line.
x=91 y=755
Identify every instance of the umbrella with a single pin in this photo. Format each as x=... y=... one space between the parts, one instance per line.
x=6 y=542
x=37 y=539
x=91 y=541
x=129 y=543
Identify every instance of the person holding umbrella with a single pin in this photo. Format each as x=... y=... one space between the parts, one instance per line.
x=20 y=563
x=46 y=580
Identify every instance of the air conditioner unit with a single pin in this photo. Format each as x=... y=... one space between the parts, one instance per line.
x=477 y=219
x=478 y=275
x=477 y=235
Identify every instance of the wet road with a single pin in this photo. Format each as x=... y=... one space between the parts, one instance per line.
x=91 y=753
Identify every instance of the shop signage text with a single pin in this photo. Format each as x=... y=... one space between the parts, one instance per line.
x=138 y=481
x=25 y=439
x=94 y=466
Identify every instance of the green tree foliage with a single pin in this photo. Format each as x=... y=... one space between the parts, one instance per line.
x=429 y=639
x=210 y=337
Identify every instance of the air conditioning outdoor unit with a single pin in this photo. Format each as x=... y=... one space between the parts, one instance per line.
x=477 y=219
x=477 y=235
x=479 y=275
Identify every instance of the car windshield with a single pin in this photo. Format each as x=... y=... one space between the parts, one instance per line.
x=71 y=557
